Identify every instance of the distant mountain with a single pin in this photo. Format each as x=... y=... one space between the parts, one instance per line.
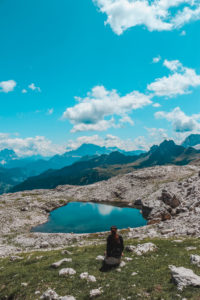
x=7 y=155
x=191 y=141
x=80 y=173
x=10 y=177
x=107 y=165
x=35 y=166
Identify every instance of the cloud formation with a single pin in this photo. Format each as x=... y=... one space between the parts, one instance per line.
x=38 y=145
x=158 y=15
x=180 y=121
x=96 y=111
x=177 y=83
x=33 y=87
x=7 y=86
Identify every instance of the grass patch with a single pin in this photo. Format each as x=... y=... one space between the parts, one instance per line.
x=152 y=282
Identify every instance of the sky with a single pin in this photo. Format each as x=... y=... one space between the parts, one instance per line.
x=122 y=73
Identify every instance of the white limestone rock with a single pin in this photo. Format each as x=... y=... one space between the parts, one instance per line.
x=60 y=262
x=15 y=257
x=96 y=292
x=191 y=248
x=122 y=264
x=67 y=271
x=184 y=277
x=88 y=277
x=128 y=258
x=142 y=248
x=195 y=260
x=100 y=257
x=44 y=245
x=67 y=298
x=134 y=273
x=50 y=295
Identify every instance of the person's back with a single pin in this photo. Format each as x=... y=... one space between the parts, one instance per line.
x=114 y=250
x=115 y=246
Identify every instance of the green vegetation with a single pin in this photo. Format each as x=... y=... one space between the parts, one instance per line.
x=152 y=282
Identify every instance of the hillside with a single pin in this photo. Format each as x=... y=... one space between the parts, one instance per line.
x=107 y=166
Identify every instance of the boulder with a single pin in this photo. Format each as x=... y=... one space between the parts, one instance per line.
x=67 y=271
x=60 y=262
x=195 y=260
x=169 y=199
x=184 y=277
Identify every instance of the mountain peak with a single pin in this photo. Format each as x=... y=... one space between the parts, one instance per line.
x=191 y=140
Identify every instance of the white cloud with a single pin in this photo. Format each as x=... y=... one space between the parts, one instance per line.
x=157 y=134
x=50 y=111
x=159 y=15
x=93 y=111
x=156 y=59
x=30 y=146
x=177 y=83
x=183 y=33
x=7 y=86
x=186 y=15
x=33 y=87
x=24 y=91
x=180 y=121
x=172 y=65
x=156 y=105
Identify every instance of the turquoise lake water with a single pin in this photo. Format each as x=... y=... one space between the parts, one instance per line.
x=79 y=217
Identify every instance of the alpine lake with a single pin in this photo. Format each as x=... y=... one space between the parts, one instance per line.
x=86 y=217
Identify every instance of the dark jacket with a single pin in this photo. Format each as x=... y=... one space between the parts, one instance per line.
x=114 y=247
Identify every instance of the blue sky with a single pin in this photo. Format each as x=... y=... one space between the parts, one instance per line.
x=52 y=51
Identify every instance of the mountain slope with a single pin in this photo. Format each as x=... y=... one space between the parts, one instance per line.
x=80 y=173
x=191 y=141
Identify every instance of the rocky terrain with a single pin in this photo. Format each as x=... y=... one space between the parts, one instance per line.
x=168 y=197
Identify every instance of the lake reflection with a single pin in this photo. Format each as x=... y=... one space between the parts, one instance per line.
x=79 y=217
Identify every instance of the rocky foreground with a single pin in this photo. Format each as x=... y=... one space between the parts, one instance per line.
x=168 y=197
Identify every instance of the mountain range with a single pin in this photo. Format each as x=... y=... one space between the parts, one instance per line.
x=15 y=169
x=105 y=166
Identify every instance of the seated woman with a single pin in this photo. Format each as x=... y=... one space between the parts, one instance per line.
x=114 y=250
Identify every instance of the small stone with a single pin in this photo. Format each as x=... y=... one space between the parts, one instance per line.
x=95 y=292
x=60 y=262
x=44 y=245
x=50 y=295
x=195 y=260
x=134 y=273
x=88 y=277
x=66 y=252
x=100 y=257
x=191 y=248
x=24 y=284
x=122 y=264
x=14 y=258
x=67 y=298
x=67 y=271
x=128 y=258
x=37 y=292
